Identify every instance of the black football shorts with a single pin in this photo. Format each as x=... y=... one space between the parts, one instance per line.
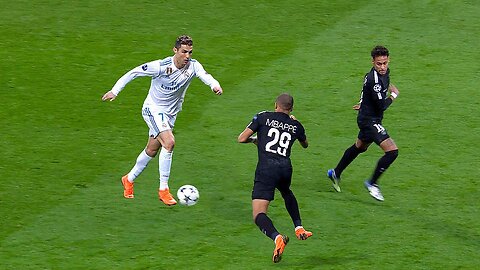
x=372 y=131
x=268 y=179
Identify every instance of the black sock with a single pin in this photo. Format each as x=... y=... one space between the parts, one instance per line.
x=292 y=207
x=348 y=156
x=265 y=225
x=383 y=163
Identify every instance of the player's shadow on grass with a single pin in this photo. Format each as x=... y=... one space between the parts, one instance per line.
x=363 y=198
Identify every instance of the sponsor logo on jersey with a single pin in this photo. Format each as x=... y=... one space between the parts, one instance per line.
x=145 y=67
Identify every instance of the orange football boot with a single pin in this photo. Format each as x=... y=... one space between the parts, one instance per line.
x=280 y=243
x=166 y=197
x=302 y=234
x=127 y=187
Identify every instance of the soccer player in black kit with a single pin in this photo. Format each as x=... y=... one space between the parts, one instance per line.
x=275 y=134
x=373 y=102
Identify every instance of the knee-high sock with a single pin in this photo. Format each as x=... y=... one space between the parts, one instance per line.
x=383 y=163
x=265 y=225
x=142 y=161
x=292 y=207
x=164 y=165
x=348 y=156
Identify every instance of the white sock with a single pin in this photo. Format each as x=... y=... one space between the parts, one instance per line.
x=142 y=161
x=298 y=227
x=164 y=165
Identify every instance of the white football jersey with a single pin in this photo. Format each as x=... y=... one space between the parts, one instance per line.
x=169 y=84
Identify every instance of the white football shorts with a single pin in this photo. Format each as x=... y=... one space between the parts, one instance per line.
x=157 y=121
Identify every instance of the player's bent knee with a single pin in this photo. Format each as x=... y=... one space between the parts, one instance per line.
x=169 y=145
x=257 y=215
x=392 y=155
x=362 y=149
x=151 y=152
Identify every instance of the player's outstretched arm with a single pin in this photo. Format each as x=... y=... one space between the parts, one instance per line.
x=109 y=96
x=246 y=136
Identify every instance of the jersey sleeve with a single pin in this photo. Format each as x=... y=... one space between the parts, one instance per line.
x=301 y=133
x=205 y=76
x=151 y=69
x=255 y=123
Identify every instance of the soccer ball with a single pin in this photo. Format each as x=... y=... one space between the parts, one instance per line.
x=188 y=195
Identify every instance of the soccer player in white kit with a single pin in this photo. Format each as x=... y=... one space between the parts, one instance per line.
x=170 y=79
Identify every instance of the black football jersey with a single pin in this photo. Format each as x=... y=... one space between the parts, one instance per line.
x=373 y=100
x=276 y=133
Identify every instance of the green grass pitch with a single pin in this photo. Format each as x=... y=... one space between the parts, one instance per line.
x=63 y=151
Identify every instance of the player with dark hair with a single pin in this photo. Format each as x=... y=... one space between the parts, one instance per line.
x=276 y=132
x=171 y=77
x=373 y=102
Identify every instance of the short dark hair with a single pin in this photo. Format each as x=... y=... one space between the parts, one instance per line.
x=183 y=40
x=379 y=51
x=285 y=101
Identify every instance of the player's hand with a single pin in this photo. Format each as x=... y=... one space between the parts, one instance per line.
x=109 y=96
x=356 y=107
x=393 y=89
x=293 y=117
x=217 y=90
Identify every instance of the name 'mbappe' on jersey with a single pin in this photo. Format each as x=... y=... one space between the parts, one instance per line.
x=276 y=133
x=280 y=125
